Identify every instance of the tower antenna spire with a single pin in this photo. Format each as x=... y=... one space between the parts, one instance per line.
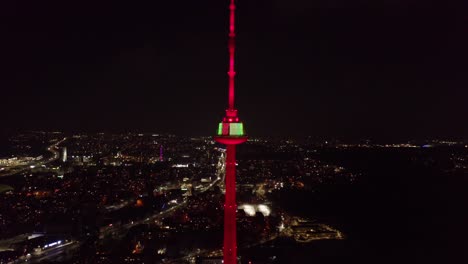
x=232 y=49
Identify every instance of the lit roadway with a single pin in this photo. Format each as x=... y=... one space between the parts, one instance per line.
x=154 y=217
x=49 y=254
x=157 y=216
x=55 y=156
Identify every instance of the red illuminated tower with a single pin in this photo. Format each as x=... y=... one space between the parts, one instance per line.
x=230 y=133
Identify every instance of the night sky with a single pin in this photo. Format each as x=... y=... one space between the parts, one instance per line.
x=348 y=69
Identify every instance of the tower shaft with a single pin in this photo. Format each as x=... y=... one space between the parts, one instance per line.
x=230 y=208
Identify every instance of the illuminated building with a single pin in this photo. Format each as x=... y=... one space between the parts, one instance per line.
x=230 y=133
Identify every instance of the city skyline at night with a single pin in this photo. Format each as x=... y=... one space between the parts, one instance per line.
x=114 y=147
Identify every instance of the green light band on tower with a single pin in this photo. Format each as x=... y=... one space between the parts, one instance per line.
x=230 y=129
x=220 y=129
x=236 y=129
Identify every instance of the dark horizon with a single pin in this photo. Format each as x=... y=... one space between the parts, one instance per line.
x=386 y=71
x=7 y=134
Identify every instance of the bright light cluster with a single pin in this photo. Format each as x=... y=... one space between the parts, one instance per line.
x=264 y=209
x=250 y=210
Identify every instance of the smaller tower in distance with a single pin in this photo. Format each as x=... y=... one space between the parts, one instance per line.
x=161 y=157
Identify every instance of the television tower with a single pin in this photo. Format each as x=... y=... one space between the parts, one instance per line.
x=230 y=133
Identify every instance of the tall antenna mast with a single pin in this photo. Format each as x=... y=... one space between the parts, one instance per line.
x=232 y=48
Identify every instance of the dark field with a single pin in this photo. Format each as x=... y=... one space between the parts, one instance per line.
x=409 y=206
